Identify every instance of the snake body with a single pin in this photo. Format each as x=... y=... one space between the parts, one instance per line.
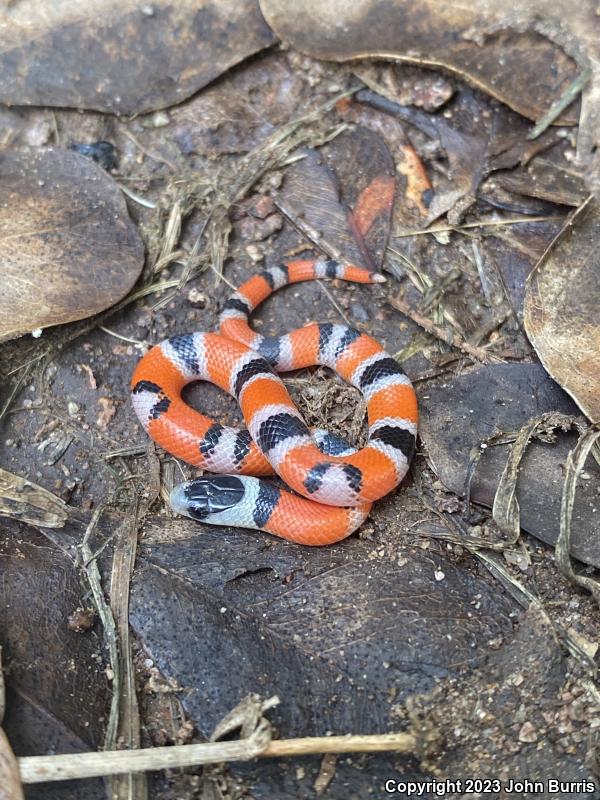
x=339 y=482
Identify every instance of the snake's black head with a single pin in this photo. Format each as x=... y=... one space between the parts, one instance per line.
x=202 y=497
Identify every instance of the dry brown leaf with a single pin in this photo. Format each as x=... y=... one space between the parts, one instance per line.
x=28 y=502
x=69 y=249
x=122 y=56
x=524 y=54
x=341 y=196
x=545 y=180
x=561 y=308
x=427 y=32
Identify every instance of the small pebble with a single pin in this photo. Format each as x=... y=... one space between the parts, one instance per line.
x=72 y=408
x=528 y=733
x=196 y=298
x=159 y=119
x=255 y=253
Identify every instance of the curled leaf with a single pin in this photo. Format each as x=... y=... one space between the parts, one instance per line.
x=561 y=308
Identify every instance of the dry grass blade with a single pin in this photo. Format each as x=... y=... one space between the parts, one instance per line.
x=131 y=786
x=505 y=511
x=500 y=437
x=168 y=252
x=326 y=774
x=142 y=201
x=301 y=225
x=28 y=502
x=575 y=464
x=561 y=104
x=92 y=572
x=482 y=224
x=334 y=303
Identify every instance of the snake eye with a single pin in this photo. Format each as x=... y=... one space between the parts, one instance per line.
x=202 y=497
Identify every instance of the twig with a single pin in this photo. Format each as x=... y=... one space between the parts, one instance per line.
x=482 y=224
x=559 y=105
x=39 y=769
x=10 y=785
x=478 y=353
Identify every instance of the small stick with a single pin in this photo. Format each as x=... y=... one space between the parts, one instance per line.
x=494 y=223
x=318 y=745
x=478 y=353
x=39 y=769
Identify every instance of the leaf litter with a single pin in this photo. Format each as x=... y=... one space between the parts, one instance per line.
x=195 y=211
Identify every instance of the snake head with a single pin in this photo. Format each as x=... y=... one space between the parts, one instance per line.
x=202 y=497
